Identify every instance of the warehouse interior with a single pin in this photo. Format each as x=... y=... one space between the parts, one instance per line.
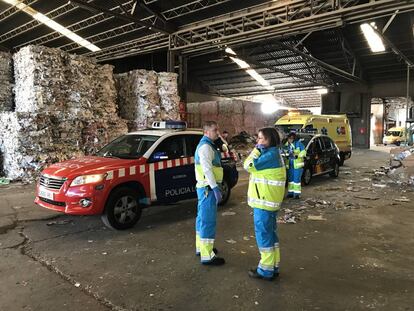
x=75 y=75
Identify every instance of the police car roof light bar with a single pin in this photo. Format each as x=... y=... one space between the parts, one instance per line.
x=170 y=124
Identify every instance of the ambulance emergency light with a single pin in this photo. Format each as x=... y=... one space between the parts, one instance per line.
x=170 y=124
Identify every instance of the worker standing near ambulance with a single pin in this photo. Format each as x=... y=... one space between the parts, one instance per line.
x=295 y=153
x=209 y=175
x=265 y=195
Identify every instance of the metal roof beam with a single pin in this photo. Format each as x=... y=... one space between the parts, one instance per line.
x=396 y=50
x=322 y=64
x=275 y=19
x=165 y=29
x=144 y=6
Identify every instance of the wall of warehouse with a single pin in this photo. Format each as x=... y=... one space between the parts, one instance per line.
x=232 y=115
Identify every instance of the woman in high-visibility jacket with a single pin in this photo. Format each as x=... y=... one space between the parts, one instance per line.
x=296 y=153
x=265 y=194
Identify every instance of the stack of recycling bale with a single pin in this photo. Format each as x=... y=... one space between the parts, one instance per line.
x=6 y=82
x=168 y=92
x=145 y=96
x=65 y=107
x=6 y=89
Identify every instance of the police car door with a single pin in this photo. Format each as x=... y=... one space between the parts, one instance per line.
x=329 y=153
x=171 y=174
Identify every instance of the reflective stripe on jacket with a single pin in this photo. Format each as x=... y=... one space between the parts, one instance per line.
x=297 y=153
x=267 y=178
x=217 y=169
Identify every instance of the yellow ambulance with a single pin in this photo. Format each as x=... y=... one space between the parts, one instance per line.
x=395 y=135
x=335 y=126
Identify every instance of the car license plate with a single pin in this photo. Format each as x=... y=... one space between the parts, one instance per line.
x=44 y=193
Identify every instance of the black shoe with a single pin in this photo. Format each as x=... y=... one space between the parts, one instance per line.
x=214 y=250
x=217 y=261
x=253 y=274
x=289 y=196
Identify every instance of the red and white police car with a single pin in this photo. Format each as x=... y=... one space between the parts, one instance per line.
x=139 y=169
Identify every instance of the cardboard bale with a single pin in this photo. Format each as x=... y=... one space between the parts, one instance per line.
x=209 y=108
x=168 y=92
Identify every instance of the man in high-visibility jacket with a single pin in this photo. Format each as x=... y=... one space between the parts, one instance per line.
x=209 y=175
x=265 y=194
x=296 y=153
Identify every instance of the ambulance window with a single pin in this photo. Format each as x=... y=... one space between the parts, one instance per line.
x=310 y=129
x=191 y=142
x=170 y=148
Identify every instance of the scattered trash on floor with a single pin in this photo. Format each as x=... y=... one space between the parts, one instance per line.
x=366 y=197
x=355 y=188
x=60 y=222
x=228 y=214
x=316 y=217
x=379 y=185
x=4 y=181
x=246 y=238
x=402 y=199
x=231 y=241
x=77 y=284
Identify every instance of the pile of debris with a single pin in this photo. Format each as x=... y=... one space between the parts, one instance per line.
x=401 y=166
x=243 y=144
x=146 y=96
x=6 y=82
x=65 y=106
x=292 y=215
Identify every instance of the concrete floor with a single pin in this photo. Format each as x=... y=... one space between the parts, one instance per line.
x=359 y=257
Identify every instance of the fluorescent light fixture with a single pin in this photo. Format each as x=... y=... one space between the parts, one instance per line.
x=259 y=78
x=230 y=51
x=253 y=73
x=374 y=40
x=322 y=91
x=52 y=24
x=216 y=60
x=242 y=64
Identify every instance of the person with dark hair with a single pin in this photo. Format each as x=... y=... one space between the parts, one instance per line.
x=209 y=175
x=265 y=195
x=296 y=154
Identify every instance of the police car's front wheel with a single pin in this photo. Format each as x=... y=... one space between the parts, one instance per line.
x=307 y=176
x=122 y=210
x=225 y=192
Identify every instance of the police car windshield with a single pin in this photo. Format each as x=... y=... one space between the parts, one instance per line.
x=128 y=146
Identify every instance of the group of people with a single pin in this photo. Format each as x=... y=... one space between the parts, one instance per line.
x=267 y=168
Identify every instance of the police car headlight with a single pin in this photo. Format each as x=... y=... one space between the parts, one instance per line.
x=88 y=179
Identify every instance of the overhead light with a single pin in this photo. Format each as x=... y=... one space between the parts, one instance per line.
x=253 y=73
x=230 y=51
x=216 y=60
x=52 y=24
x=242 y=64
x=374 y=40
x=322 y=91
x=269 y=107
x=259 y=78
